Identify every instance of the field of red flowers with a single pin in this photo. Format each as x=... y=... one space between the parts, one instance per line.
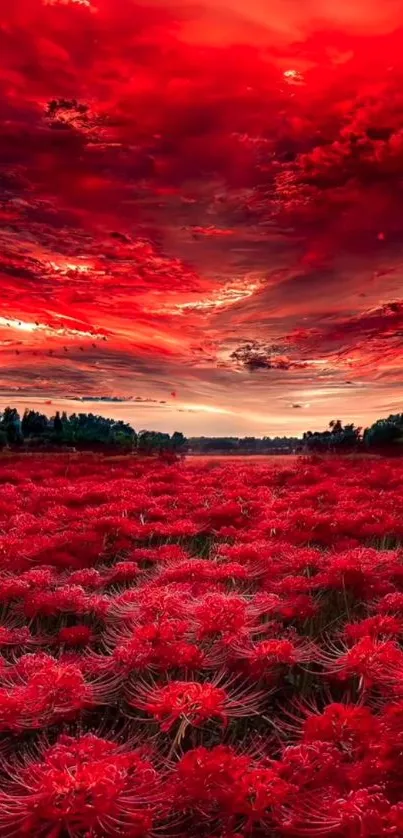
x=211 y=651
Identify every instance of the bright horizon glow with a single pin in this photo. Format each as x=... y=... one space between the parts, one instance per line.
x=172 y=418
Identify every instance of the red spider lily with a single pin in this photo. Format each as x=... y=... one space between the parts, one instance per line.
x=387 y=762
x=279 y=559
x=313 y=765
x=69 y=599
x=152 y=602
x=293 y=585
x=357 y=814
x=204 y=778
x=372 y=661
x=186 y=571
x=214 y=517
x=12 y=634
x=163 y=645
x=161 y=630
x=196 y=570
x=234 y=570
x=246 y=553
x=84 y=785
x=87 y=577
x=39 y=578
x=195 y=702
x=122 y=572
x=391 y=603
x=75 y=551
x=395 y=820
x=349 y=727
x=13 y=588
x=258 y=796
x=228 y=834
x=51 y=603
x=79 y=635
x=294 y=607
x=378 y=626
x=219 y=613
x=363 y=571
x=39 y=690
x=264 y=657
x=166 y=594
x=159 y=555
x=222 y=780
x=391 y=721
x=265 y=602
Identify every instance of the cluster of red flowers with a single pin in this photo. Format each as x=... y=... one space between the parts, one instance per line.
x=205 y=651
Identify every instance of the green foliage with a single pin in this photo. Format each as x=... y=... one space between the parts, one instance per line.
x=385 y=433
x=34 y=424
x=178 y=442
x=337 y=438
x=88 y=429
x=149 y=441
x=245 y=445
x=11 y=426
x=84 y=430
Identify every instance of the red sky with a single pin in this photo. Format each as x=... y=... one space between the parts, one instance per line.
x=201 y=211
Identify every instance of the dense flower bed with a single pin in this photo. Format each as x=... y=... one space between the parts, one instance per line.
x=202 y=651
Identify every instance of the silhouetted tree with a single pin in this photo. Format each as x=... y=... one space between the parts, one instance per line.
x=178 y=442
x=385 y=433
x=151 y=441
x=88 y=430
x=58 y=424
x=336 y=426
x=337 y=438
x=11 y=425
x=34 y=424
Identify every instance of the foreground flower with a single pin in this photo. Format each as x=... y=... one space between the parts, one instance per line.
x=194 y=703
x=264 y=658
x=220 y=780
x=374 y=662
x=82 y=786
x=39 y=690
x=358 y=814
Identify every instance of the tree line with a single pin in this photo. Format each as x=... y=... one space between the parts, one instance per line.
x=383 y=435
x=81 y=431
x=90 y=431
x=244 y=445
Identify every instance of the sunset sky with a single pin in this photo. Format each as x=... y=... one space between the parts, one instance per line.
x=201 y=211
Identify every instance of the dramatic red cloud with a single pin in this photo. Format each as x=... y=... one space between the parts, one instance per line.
x=201 y=210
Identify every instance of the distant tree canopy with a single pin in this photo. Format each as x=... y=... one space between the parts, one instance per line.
x=90 y=431
x=385 y=433
x=81 y=430
x=148 y=441
x=338 y=437
x=244 y=445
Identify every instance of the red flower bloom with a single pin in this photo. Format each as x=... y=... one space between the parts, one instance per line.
x=82 y=786
x=193 y=702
